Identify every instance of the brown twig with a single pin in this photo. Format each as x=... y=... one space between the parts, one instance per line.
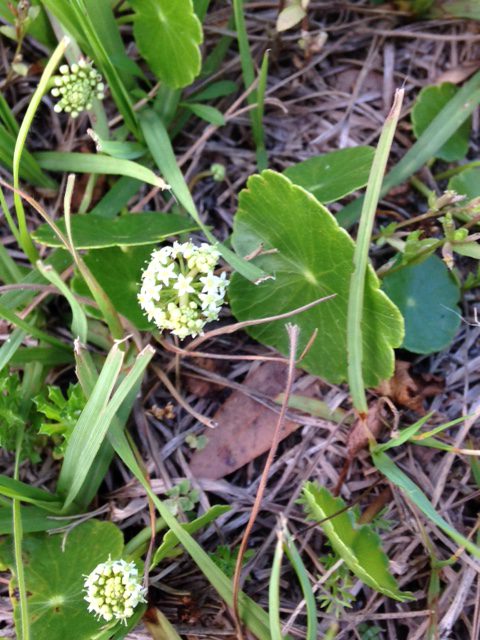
x=293 y=332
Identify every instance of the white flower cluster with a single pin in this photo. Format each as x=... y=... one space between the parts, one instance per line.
x=76 y=87
x=179 y=290
x=114 y=590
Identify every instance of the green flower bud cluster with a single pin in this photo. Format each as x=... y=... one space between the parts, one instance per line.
x=179 y=290
x=114 y=590
x=76 y=87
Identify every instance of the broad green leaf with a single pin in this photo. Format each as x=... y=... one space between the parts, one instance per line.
x=359 y=546
x=119 y=273
x=429 y=103
x=33 y=519
x=466 y=183
x=413 y=493
x=333 y=175
x=427 y=296
x=310 y=257
x=97 y=232
x=169 y=547
x=168 y=35
x=55 y=570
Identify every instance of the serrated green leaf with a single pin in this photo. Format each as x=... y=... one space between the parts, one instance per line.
x=135 y=229
x=359 y=547
x=429 y=103
x=55 y=566
x=427 y=296
x=313 y=258
x=333 y=175
x=168 y=35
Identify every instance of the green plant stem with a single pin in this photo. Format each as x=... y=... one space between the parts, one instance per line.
x=17 y=542
x=248 y=72
x=274 y=590
x=24 y=237
x=360 y=258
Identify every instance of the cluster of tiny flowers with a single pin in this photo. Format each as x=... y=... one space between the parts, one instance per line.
x=76 y=87
x=113 y=590
x=179 y=290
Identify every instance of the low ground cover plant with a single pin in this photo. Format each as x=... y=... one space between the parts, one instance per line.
x=102 y=295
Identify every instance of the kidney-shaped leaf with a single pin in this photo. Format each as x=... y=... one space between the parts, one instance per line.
x=359 y=546
x=333 y=175
x=430 y=101
x=97 y=232
x=466 y=183
x=168 y=35
x=310 y=257
x=55 y=566
x=427 y=296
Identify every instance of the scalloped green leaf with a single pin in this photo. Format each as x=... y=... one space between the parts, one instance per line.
x=168 y=35
x=427 y=295
x=358 y=546
x=55 y=566
x=310 y=257
x=133 y=229
x=430 y=101
x=333 y=175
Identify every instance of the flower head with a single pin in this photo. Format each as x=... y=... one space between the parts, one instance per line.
x=179 y=290
x=114 y=590
x=76 y=86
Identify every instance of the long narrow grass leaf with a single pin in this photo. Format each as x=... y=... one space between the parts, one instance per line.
x=274 y=591
x=158 y=141
x=420 y=500
x=442 y=127
x=10 y=346
x=31 y=329
x=360 y=258
x=253 y=616
x=25 y=240
x=84 y=441
x=79 y=320
x=96 y=163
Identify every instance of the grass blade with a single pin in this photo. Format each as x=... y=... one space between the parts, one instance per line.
x=274 y=590
x=248 y=73
x=96 y=163
x=25 y=240
x=158 y=142
x=90 y=435
x=432 y=139
x=79 y=320
x=253 y=615
x=10 y=346
x=360 y=258
x=419 y=499
x=30 y=329
x=84 y=441
x=302 y=575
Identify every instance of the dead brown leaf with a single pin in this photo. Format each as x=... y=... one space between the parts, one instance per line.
x=245 y=427
x=410 y=390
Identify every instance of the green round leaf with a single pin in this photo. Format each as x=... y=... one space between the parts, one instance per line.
x=466 y=183
x=55 y=569
x=168 y=35
x=313 y=258
x=427 y=296
x=431 y=100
